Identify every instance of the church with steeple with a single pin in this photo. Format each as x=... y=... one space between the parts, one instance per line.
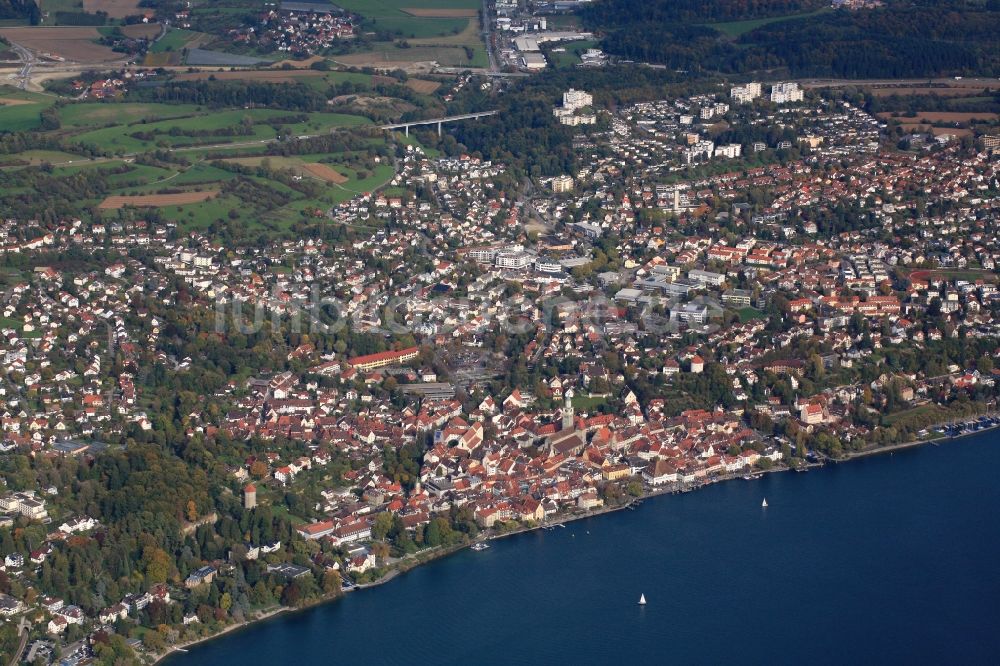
x=569 y=440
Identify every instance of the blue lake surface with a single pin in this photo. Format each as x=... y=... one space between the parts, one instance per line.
x=885 y=559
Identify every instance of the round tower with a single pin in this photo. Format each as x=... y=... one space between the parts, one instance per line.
x=249 y=496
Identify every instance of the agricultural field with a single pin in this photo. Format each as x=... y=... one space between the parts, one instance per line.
x=51 y=8
x=443 y=31
x=99 y=115
x=176 y=39
x=940 y=117
x=420 y=86
x=939 y=91
x=156 y=200
x=300 y=165
x=73 y=44
x=207 y=58
x=389 y=56
x=115 y=9
x=325 y=173
x=311 y=77
x=942 y=122
x=257 y=75
x=141 y=30
x=469 y=40
x=416 y=18
x=975 y=96
x=38 y=157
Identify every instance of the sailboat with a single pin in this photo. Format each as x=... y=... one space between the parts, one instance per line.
x=764 y=503
x=642 y=599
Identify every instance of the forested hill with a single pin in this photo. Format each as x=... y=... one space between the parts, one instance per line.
x=907 y=38
x=610 y=13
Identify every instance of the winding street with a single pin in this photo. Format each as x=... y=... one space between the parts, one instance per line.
x=23 y=630
x=28 y=58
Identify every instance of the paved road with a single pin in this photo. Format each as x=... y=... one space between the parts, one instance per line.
x=22 y=628
x=839 y=83
x=488 y=36
x=28 y=58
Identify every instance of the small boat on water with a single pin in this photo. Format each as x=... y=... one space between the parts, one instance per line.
x=480 y=546
x=764 y=503
x=642 y=599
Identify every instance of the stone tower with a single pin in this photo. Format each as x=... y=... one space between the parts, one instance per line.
x=249 y=496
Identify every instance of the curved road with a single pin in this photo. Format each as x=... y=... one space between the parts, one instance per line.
x=28 y=58
x=22 y=628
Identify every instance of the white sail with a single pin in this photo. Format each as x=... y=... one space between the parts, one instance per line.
x=764 y=503
x=642 y=599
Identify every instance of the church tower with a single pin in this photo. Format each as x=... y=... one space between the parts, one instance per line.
x=567 y=411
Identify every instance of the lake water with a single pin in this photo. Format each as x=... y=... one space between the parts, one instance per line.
x=885 y=559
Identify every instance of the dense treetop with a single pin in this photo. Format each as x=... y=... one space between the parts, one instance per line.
x=903 y=39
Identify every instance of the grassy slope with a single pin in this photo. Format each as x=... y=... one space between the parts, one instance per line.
x=115 y=138
x=109 y=125
x=176 y=39
x=22 y=117
x=736 y=28
x=99 y=115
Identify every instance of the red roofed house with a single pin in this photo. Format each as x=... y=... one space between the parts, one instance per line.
x=382 y=359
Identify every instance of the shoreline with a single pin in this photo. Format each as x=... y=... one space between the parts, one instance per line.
x=273 y=612
x=936 y=441
x=568 y=518
x=245 y=624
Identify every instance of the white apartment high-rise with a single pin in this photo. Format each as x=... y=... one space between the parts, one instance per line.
x=746 y=93
x=576 y=99
x=782 y=93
